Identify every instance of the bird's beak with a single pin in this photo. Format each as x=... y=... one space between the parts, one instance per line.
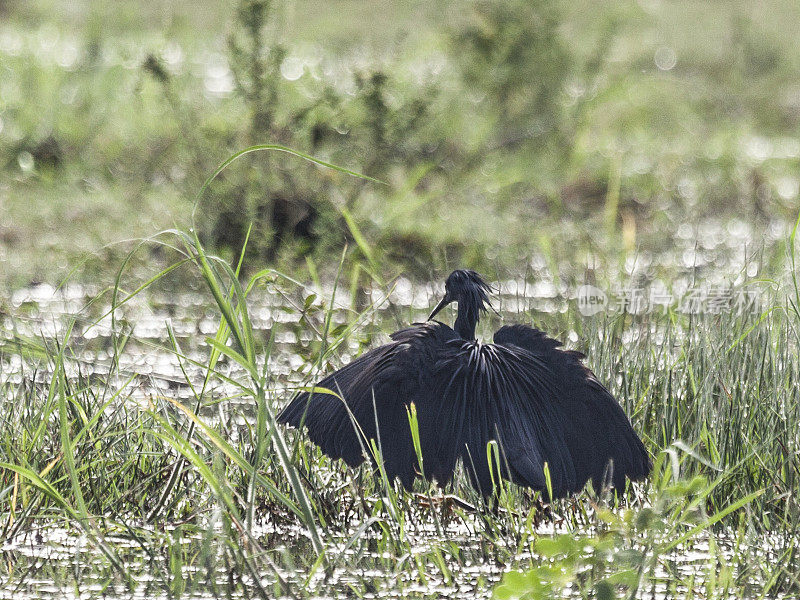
x=445 y=301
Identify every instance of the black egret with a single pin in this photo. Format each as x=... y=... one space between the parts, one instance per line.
x=537 y=401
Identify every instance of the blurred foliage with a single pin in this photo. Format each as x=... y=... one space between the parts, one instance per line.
x=512 y=57
x=482 y=119
x=293 y=207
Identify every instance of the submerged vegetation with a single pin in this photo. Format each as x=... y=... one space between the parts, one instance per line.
x=149 y=334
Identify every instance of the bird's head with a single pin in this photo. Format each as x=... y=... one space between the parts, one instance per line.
x=469 y=290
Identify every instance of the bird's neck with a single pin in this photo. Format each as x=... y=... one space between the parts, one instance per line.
x=466 y=322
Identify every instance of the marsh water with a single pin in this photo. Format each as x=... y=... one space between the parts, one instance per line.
x=72 y=558
x=51 y=558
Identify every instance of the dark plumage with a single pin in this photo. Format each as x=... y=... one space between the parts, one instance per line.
x=538 y=401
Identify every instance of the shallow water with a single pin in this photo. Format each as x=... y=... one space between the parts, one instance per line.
x=383 y=575
x=73 y=558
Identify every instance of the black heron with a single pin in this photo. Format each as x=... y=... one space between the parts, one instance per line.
x=536 y=400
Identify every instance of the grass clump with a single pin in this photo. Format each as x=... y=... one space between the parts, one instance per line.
x=188 y=479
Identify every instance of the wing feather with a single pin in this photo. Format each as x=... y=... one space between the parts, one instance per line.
x=597 y=433
x=377 y=389
x=537 y=401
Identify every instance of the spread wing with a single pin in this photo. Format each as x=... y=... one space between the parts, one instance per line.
x=598 y=440
x=377 y=387
x=539 y=403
